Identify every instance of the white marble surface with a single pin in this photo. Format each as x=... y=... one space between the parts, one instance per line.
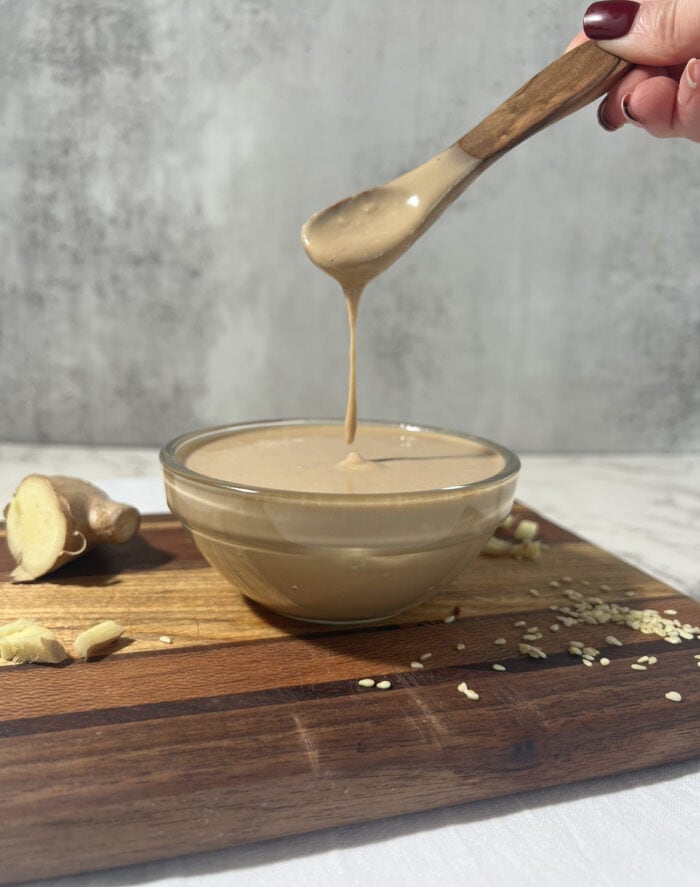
x=637 y=828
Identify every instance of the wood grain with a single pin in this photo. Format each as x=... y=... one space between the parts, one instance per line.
x=568 y=84
x=250 y=726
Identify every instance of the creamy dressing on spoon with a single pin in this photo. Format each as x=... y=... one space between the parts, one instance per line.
x=359 y=237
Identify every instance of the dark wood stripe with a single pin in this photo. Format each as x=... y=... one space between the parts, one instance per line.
x=298 y=693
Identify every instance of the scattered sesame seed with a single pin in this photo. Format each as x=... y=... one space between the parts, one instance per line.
x=450 y=618
x=588 y=658
x=587 y=662
x=468 y=692
x=531 y=637
x=534 y=592
x=554 y=584
x=416 y=665
x=696 y=656
x=585 y=582
x=461 y=647
x=498 y=667
x=554 y=627
x=673 y=696
x=643 y=659
x=604 y=660
x=671 y=612
x=576 y=651
x=553 y=608
x=629 y=594
x=566 y=579
x=165 y=639
x=576 y=644
x=500 y=641
x=383 y=685
x=591 y=651
x=637 y=667
x=613 y=641
x=604 y=587
x=521 y=623
x=652 y=660
x=424 y=656
x=366 y=682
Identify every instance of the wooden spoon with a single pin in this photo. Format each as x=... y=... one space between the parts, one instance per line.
x=359 y=237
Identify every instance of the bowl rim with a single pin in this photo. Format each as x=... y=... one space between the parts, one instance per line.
x=169 y=460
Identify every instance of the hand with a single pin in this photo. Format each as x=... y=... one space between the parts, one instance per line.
x=662 y=93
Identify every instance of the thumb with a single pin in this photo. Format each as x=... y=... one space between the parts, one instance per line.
x=653 y=32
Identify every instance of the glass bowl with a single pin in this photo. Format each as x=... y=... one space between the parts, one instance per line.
x=335 y=557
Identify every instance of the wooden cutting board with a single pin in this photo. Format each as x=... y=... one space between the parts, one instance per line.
x=249 y=726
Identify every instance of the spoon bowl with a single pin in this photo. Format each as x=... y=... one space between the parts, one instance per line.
x=357 y=238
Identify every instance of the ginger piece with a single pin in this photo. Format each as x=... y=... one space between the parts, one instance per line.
x=53 y=519
x=12 y=627
x=496 y=547
x=97 y=639
x=30 y=643
x=526 y=530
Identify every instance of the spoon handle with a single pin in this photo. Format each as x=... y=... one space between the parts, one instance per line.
x=572 y=81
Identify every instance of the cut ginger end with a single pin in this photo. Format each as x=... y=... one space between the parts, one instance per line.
x=53 y=519
x=37 y=528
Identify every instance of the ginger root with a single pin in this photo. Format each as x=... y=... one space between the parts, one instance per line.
x=53 y=519
x=25 y=641
x=97 y=639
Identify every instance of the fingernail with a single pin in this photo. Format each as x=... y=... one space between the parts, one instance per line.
x=602 y=119
x=609 y=19
x=628 y=115
x=692 y=73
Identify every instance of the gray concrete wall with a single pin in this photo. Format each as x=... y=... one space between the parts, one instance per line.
x=158 y=157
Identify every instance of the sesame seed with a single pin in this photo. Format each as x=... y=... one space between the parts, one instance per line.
x=533 y=591
x=671 y=612
x=383 y=685
x=531 y=637
x=591 y=651
x=643 y=659
x=585 y=582
x=468 y=692
x=604 y=660
x=554 y=584
x=366 y=682
x=521 y=623
x=696 y=656
x=627 y=593
x=450 y=618
x=652 y=660
x=165 y=639
x=566 y=579
x=416 y=665
x=604 y=587
x=498 y=667
x=462 y=688
x=588 y=658
x=673 y=696
x=461 y=647
x=554 y=627
x=637 y=667
x=613 y=641
x=587 y=662
x=424 y=656
x=500 y=641
x=553 y=608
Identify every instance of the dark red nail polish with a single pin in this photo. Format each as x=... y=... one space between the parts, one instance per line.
x=609 y=19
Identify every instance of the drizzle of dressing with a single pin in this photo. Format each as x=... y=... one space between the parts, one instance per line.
x=358 y=238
